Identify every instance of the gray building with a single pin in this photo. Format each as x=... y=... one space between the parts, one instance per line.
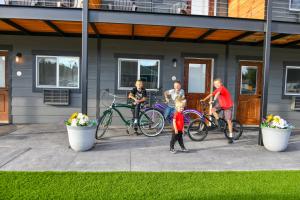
x=42 y=62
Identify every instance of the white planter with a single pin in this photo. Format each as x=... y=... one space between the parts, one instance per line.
x=276 y=139
x=81 y=138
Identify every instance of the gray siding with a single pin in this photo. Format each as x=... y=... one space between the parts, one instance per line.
x=281 y=11
x=28 y=107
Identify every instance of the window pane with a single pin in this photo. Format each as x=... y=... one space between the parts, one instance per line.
x=47 y=71
x=248 y=80
x=197 y=75
x=128 y=73
x=149 y=73
x=68 y=72
x=2 y=71
x=293 y=80
x=295 y=4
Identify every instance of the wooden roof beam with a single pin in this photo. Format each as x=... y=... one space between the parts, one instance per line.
x=206 y=34
x=54 y=27
x=171 y=30
x=17 y=26
x=94 y=27
x=293 y=43
x=241 y=36
x=275 y=37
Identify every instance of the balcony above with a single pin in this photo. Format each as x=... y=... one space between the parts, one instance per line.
x=107 y=20
x=249 y=9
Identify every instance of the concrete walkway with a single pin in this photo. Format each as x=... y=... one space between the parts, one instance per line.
x=45 y=147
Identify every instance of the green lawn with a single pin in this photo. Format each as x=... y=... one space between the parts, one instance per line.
x=192 y=185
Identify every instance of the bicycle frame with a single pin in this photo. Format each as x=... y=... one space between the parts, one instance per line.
x=114 y=108
x=162 y=107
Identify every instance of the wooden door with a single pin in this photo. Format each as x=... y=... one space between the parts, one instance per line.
x=249 y=92
x=197 y=81
x=4 y=94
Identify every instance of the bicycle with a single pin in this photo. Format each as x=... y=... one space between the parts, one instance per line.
x=198 y=128
x=151 y=121
x=189 y=114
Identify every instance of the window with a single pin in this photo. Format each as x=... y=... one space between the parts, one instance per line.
x=295 y=5
x=292 y=80
x=57 y=72
x=130 y=70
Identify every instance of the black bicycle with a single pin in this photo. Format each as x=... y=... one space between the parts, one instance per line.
x=198 y=128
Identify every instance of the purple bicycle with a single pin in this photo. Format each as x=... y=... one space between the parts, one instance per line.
x=189 y=114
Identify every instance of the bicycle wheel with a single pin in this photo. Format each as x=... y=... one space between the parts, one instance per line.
x=151 y=122
x=197 y=130
x=237 y=130
x=189 y=116
x=103 y=124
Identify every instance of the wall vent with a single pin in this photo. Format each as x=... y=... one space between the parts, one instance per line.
x=296 y=103
x=57 y=97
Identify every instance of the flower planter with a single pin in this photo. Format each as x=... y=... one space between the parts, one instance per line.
x=276 y=139
x=81 y=138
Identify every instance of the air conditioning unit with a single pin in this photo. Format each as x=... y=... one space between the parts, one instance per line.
x=296 y=103
x=59 y=97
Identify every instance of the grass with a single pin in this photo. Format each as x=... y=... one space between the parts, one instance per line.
x=162 y=185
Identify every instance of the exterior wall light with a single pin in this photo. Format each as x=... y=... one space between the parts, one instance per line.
x=174 y=61
x=18 y=57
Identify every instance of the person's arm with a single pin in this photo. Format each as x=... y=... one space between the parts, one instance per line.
x=216 y=96
x=131 y=95
x=174 y=125
x=207 y=97
x=166 y=94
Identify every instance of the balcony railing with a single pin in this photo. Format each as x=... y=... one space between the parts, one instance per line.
x=228 y=8
x=44 y=3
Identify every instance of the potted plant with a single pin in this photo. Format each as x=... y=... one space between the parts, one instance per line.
x=81 y=131
x=276 y=132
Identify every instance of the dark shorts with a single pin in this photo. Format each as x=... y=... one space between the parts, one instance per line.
x=227 y=112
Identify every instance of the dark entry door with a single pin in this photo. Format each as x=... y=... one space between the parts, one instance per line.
x=249 y=92
x=4 y=95
x=197 y=81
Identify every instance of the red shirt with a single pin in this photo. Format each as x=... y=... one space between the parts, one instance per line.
x=224 y=99
x=179 y=120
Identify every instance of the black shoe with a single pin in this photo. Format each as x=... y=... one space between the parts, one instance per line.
x=172 y=151
x=231 y=141
x=184 y=150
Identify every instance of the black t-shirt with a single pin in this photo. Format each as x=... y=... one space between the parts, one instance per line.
x=138 y=94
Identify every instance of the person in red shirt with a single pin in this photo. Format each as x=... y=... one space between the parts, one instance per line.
x=178 y=125
x=224 y=102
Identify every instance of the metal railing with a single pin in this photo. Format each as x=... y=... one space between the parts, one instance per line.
x=234 y=8
x=44 y=3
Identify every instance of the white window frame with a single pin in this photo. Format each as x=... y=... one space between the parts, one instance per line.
x=285 y=81
x=57 y=73
x=138 y=73
x=291 y=8
x=241 y=79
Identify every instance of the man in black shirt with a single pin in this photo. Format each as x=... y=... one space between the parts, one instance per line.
x=139 y=95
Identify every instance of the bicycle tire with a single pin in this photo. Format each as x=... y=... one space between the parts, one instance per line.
x=237 y=130
x=151 y=122
x=197 y=130
x=189 y=116
x=103 y=125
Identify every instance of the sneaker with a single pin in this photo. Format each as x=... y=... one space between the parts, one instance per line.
x=184 y=150
x=172 y=151
x=231 y=141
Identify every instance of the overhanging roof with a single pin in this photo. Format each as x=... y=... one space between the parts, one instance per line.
x=43 y=21
x=97 y=16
